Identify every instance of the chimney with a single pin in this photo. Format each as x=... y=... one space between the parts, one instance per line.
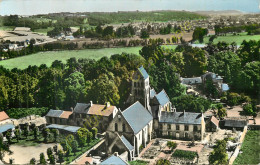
x=116 y=154
x=107 y=104
x=91 y=103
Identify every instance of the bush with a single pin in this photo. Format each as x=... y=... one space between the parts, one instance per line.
x=184 y=154
x=248 y=109
x=163 y=162
x=17 y=113
x=171 y=145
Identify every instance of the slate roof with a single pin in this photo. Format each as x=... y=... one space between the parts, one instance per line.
x=3 y=116
x=235 y=123
x=127 y=143
x=72 y=129
x=137 y=116
x=152 y=93
x=113 y=160
x=54 y=113
x=6 y=127
x=180 y=118
x=143 y=72
x=162 y=98
x=225 y=87
x=190 y=81
x=81 y=108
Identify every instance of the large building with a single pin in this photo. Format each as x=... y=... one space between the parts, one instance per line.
x=129 y=131
x=182 y=125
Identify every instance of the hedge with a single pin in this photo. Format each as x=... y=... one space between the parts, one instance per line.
x=17 y=113
x=184 y=154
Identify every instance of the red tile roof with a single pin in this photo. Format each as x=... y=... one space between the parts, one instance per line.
x=3 y=116
x=101 y=110
x=65 y=114
x=215 y=121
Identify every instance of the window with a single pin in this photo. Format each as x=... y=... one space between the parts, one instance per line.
x=116 y=127
x=195 y=128
x=123 y=127
x=186 y=128
x=160 y=126
x=177 y=127
x=169 y=126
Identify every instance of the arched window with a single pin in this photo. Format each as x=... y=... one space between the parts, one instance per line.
x=123 y=127
x=116 y=127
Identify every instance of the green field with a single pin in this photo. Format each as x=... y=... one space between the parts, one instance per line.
x=43 y=31
x=7 y=28
x=229 y=38
x=48 y=57
x=250 y=149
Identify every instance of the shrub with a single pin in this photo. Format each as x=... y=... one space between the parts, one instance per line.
x=184 y=154
x=171 y=145
x=17 y=113
x=163 y=162
x=248 y=109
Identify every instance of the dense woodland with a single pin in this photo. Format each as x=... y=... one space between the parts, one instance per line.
x=61 y=86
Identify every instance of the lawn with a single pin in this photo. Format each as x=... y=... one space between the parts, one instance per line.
x=229 y=38
x=7 y=28
x=250 y=149
x=43 y=31
x=48 y=57
x=138 y=162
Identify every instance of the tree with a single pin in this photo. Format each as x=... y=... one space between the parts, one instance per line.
x=46 y=134
x=82 y=135
x=35 y=133
x=33 y=161
x=90 y=136
x=248 y=109
x=8 y=136
x=42 y=159
x=163 y=162
x=171 y=145
x=60 y=156
x=222 y=113
x=52 y=159
x=4 y=148
x=17 y=133
x=199 y=33
x=144 y=34
x=94 y=132
x=74 y=146
x=26 y=130
x=56 y=134
x=211 y=89
x=219 y=154
x=49 y=152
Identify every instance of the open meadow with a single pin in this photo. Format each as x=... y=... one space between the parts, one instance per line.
x=229 y=38
x=48 y=57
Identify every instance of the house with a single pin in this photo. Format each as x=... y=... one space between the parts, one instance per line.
x=58 y=117
x=133 y=127
x=182 y=125
x=3 y=116
x=235 y=124
x=93 y=115
x=212 y=124
x=114 y=160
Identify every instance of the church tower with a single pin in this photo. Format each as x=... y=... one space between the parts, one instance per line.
x=141 y=88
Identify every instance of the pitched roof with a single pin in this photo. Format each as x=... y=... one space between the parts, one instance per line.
x=143 y=72
x=6 y=127
x=152 y=93
x=54 y=113
x=66 y=114
x=127 y=143
x=190 y=81
x=72 y=129
x=180 y=117
x=214 y=121
x=235 y=123
x=3 y=116
x=225 y=87
x=113 y=160
x=137 y=116
x=81 y=108
x=162 y=98
x=102 y=110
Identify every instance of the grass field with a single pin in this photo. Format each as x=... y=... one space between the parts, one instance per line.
x=250 y=149
x=43 y=31
x=7 y=28
x=229 y=38
x=48 y=57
